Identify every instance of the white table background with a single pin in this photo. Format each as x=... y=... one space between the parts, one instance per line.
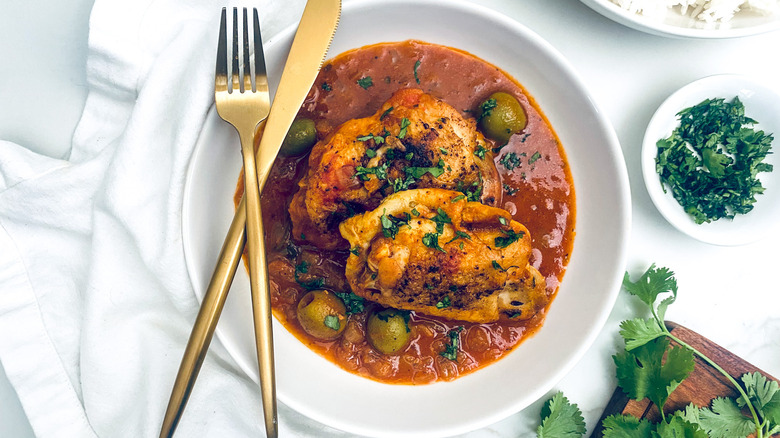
x=729 y=294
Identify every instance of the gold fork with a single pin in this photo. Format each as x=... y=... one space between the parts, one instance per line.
x=244 y=108
x=243 y=104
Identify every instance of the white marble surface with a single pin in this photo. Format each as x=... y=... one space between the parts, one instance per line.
x=729 y=294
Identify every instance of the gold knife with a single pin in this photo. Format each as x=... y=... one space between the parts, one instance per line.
x=307 y=53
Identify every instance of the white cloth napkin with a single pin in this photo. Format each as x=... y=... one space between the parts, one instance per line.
x=96 y=304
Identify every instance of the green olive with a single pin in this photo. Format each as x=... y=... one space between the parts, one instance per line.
x=322 y=314
x=500 y=116
x=300 y=138
x=388 y=330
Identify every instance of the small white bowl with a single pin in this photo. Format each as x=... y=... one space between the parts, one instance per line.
x=762 y=103
x=674 y=24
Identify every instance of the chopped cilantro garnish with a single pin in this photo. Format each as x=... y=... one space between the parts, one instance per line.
x=365 y=82
x=443 y=151
x=384 y=114
x=418 y=172
x=391 y=223
x=431 y=240
x=445 y=302
x=451 y=350
x=332 y=322
x=460 y=235
x=401 y=184
x=355 y=251
x=509 y=190
x=440 y=219
x=510 y=161
x=458 y=198
x=326 y=86
x=370 y=153
x=534 y=157
x=712 y=159
x=509 y=238
x=486 y=108
x=315 y=283
x=479 y=151
x=352 y=302
x=416 y=66
x=404 y=124
x=415 y=213
x=379 y=171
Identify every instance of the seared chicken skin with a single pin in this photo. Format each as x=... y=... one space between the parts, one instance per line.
x=414 y=141
x=434 y=252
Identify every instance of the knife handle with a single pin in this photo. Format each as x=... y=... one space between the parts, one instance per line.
x=206 y=321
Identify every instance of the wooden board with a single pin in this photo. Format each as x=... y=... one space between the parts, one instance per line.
x=701 y=387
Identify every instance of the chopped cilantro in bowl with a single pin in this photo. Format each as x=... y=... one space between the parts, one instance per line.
x=707 y=159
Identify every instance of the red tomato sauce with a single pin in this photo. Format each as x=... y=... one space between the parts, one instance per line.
x=538 y=192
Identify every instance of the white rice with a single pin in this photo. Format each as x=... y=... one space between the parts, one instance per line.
x=709 y=13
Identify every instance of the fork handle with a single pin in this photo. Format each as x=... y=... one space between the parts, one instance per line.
x=206 y=321
x=259 y=285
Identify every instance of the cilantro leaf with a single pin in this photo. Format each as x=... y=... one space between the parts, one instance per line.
x=431 y=240
x=653 y=282
x=678 y=427
x=332 y=322
x=759 y=389
x=365 y=82
x=440 y=219
x=510 y=161
x=561 y=419
x=642 y=373
x=724 y=420
x=621 y=426
x=445 y=302
x=486 y=108
x=391 y=224
x=480 y=151
x=404 y=125
x=637 y=332
x=509 y=237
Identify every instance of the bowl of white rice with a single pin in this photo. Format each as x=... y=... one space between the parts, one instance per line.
x=693 y=18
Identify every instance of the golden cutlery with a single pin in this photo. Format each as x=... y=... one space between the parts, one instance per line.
x=316 y=29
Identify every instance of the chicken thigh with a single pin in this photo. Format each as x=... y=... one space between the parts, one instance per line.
x=434 y=252
x=413 y=141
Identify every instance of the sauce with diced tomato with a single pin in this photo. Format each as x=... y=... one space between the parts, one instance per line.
x=538 y=192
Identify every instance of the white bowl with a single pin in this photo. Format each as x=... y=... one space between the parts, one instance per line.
x=319 y=389
x=744 y=23
x=762 y=103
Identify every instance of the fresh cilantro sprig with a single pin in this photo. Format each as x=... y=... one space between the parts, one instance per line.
x=650 y=367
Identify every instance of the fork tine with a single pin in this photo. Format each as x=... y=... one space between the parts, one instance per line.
x=236 y=83
x=247 y=61
x=261 y=78
x=220 y=77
